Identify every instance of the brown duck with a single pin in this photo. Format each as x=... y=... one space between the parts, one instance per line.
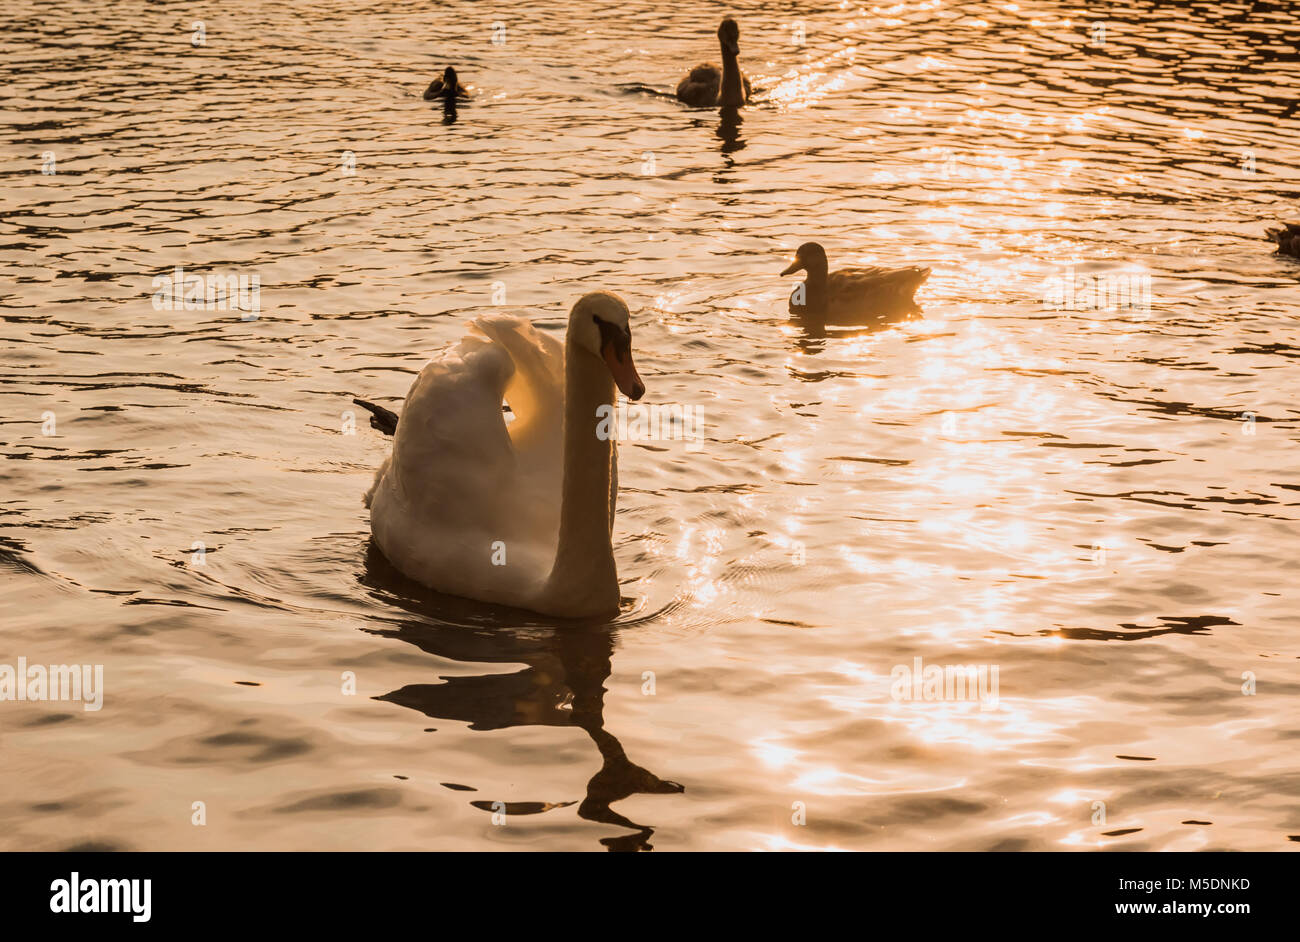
x=851 y=296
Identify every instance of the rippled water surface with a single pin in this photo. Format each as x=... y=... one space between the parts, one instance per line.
x=1100 y=503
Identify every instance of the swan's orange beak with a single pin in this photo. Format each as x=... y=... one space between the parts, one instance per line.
x=623 y=370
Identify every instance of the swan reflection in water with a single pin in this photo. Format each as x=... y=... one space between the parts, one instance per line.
x=566 y=667
x=729 y=122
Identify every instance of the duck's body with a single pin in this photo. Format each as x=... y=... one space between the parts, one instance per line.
x=448 y=87
x=514 y=514
x=851 y=296
x=708 y=86
x=1287 y=237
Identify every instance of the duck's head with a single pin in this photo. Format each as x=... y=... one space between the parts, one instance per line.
x=808 y=257
x=600 y=323
x=729 y=36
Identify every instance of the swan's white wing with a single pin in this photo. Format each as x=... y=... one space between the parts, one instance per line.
x=452 y=453
x=535 y=392
x=468 y=503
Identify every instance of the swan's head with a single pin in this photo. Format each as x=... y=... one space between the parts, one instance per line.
x=449 y=78
x=808 y=257
x=601 y=325
x=729 y=36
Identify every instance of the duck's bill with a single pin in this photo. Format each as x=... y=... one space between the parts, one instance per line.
x=624 y=371
x=794 y=267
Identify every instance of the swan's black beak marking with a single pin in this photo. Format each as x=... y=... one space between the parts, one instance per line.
x=616 y=348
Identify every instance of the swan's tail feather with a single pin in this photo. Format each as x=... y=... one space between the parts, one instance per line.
x=380 y=418
x=1282 y=229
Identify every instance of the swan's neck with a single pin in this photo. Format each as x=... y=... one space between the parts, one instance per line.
x=583 y=580
x=732 y=93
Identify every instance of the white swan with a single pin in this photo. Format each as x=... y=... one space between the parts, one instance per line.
x=516 y=514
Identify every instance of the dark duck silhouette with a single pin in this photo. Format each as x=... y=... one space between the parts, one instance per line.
x=1287 y=237
x=708 y=86
x=851 y=296
x=448 y=87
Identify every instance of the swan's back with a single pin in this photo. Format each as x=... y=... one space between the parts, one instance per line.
x=700 y=87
